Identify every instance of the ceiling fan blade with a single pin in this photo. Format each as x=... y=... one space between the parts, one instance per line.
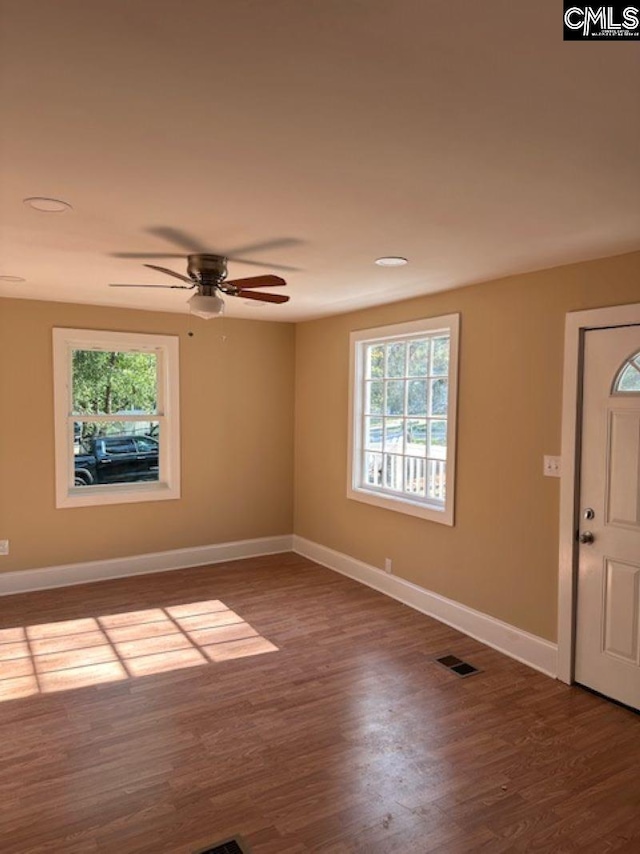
x=248 y=261
x=170 y=273
x=257 y=282
x=172 y=287
x=191 y=244
x=262 y=297
x=271 y=266
x=278 y=243
x=146 y=255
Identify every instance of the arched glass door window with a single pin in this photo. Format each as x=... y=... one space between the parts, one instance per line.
x=628 y=378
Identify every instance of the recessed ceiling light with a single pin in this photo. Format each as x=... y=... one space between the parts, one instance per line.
x=391 y=261
x=14 y=279
x=41 y=203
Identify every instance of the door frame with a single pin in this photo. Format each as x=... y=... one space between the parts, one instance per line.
x=577 y=323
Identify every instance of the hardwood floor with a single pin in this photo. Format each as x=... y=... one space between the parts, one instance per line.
x=346 y=738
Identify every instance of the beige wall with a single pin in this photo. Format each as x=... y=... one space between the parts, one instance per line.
x=237 y=431
x=501 y=556
x=237 y=438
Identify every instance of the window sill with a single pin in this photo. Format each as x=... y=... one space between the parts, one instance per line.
x=127 y=493
x=432 y=512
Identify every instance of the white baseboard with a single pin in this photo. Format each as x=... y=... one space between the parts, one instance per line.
x=49 y=577
x=537 y=652
x=529 y=649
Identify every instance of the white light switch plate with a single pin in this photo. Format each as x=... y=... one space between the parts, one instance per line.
x=4 y=547
x=552 y=466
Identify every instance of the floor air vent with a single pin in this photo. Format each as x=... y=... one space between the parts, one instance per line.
x=457 y=665
x=229 y=846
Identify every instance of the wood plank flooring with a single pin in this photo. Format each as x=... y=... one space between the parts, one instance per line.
x=346 y=738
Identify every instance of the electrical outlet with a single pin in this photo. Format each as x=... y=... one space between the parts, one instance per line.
x=387 y=565
x=552 y=466
x=4 y=547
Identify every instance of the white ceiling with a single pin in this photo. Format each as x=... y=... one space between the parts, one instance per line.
x=466 y=136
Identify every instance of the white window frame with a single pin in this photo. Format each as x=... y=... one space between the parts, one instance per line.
x=166 y=348
x=423 y=508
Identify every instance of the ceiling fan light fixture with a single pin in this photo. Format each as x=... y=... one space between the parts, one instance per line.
x=391 y=261
x=206 y=307
x=47 y=205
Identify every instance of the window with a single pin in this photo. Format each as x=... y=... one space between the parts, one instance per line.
x=116 y=417
x=117 y=445
x=628 y=378
x=402 y=415
x=146 y=444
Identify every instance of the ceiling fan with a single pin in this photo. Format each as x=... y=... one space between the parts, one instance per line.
x=208 y=273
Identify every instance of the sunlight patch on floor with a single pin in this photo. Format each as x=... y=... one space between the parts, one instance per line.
x=48 y=657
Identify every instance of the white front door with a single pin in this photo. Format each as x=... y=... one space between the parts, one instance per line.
x=608 y=610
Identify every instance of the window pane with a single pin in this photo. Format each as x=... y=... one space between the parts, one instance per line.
x=439 y=394
x=396 y=354
x=395 y=397
x=414 y=475
x=373 y=434
x=416 y=437
x=436 y=480
x=115 y=446
x=373 y=469
x=393 y=472
x=438 y=440
x=109 y=452
x=146 y=445
x=106 y=383
x=393 y=438
x=629 y=379
x=439 y=356
x=374 y=398
x=375 y=361
x=417 y=397
x=401 y=415
x=418 y=358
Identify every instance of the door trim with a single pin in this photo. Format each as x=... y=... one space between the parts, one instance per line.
x=577 y=323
